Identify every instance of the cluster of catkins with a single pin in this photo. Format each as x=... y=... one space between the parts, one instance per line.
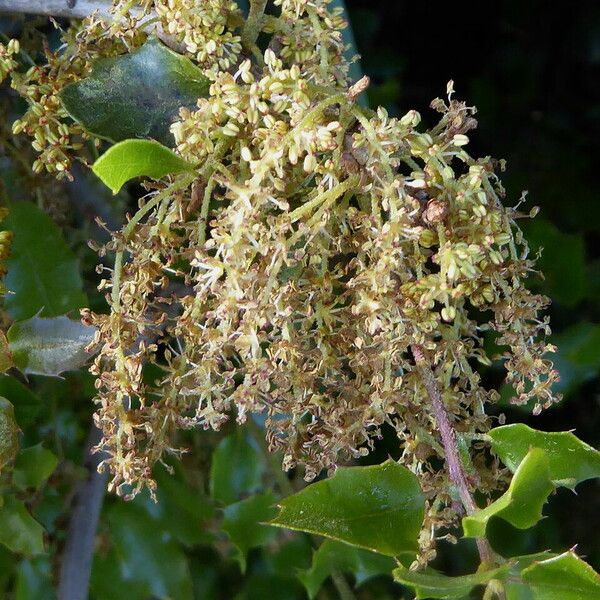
x=315 y=247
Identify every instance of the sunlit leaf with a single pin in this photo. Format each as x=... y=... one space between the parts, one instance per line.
x=49 y=346
x=379 y=508
x=334 y=556
x=33 y=467
x=570 y=461
x=237 y=468
x=243 y=523
x=137 y=158
x=521 y=505
x=43 y=274
x=564 y=577
x=430 y=584
x=19 y=531
x=136 y=95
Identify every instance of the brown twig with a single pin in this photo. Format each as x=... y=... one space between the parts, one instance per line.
x=454 y=465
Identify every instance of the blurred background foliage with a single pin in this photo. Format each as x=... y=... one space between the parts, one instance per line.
x=533 y=71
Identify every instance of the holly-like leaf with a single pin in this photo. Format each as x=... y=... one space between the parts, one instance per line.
x=137 y=158
x=237 y=468
x=514 y=587
x=33 y=467
x=19 y=531
x=9 y=432
x=43 y=274
x=430 y=584
x=334 y=556
x=564 y=577
x=521 y=505
x=243 y=523
x=49 y=346
x=570 y=460
x=136 y=95
x=379 y=508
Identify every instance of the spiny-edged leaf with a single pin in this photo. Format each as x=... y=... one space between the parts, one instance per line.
x=237 y=468
x=335 y=556
x=521 y=505
x=379 y=508
x=49 y=346
x=136 y=95
x=564 y=577
x=514 y=587
x=33 y=467
x=27 y=405
x=9 y=433
x=43 y=273
x=137 y=158
x=243 y=523
x=570 y=460
x=430 y=584
x=19 y=531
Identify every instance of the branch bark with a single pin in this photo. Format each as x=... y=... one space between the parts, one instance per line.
x=71 y=9
x=76 y=564
x=454 y=465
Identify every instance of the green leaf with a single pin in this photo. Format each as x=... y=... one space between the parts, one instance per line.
x=34 y=580
x=43 y=274
x=33 y=467
x=379 y=508
x=564 y=577
x=514 y=587
x=237 y=468
x=430 y=584
x=136 y=95
x=137 y=158
x=243 y=523
x=49 y=346
x=570 y=461
x=145 y=560
x=9 y=433
x=335 y=556
x=19 y=531
x=26 y=404
x=521 y=505
x=6 y=360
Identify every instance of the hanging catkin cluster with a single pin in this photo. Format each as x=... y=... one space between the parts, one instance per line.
x=317 y=243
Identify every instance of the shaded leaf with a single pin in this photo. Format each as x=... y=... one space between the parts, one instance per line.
x=243 y=523
x=273 y=587
x=430 y=584
x=9 y=433
x=379 y=508
x=570 y=461
x=136 y=95
x=237 y=468
x=19 y=531
x=137 y=158
x=26 y=404
x=564 y=577
x=514 y=587
x=49 y=346
x=34 y=579
x=33 y=467
x=521 y=505
x=156 y=563
x=43 y=274
x=336 y=556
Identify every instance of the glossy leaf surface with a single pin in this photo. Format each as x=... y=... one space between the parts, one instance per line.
x=379 y=508
x=136 y=95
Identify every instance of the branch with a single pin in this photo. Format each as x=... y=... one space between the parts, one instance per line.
x=453 y=463
x=76 y=564
x=70 y=9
